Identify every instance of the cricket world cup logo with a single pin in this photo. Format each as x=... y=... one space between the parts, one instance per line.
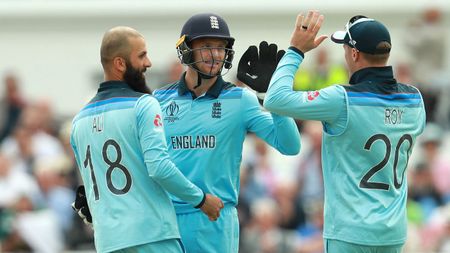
x=172 y=112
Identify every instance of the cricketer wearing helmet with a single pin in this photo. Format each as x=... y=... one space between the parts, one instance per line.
x=206 y=120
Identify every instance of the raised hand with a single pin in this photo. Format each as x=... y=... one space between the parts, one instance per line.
x=305 y=32
x=255 y=70
x=212 y=207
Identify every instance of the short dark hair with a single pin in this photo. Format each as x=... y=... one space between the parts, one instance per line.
x=116 y=43
x=379 y=58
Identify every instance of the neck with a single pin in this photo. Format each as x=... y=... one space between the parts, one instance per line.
x=191 y=80
x=113 y=76
x=363 y=66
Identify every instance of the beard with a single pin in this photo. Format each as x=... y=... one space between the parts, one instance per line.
x=135 y=78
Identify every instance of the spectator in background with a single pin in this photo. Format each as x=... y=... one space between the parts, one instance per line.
x=176 y=69
x=423 y=190
x=426 y=40
x=322 y=74
x=292 y=214
x=19 y=149
x=263 y=235
x=32 y=226
x=52 y=177
x=310 y=234
x=403 y=73
x=30 y=141
x=309 y=173
x=11 y=106
x=260 y=173
x=14 y=184
x=73 y=177
x=46 y=116
x=436 y=159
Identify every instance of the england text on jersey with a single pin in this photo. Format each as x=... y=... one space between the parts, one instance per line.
x=193 y=142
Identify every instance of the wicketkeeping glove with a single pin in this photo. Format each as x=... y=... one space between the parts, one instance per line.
x=256 y=70
x=81 y=206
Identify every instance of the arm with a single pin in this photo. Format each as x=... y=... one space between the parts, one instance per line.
x=80 y=205
x=326 y=105
x=278 y=131
x=159 y=166
x=323 y=105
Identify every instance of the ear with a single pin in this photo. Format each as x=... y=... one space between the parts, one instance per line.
x=355 y=54
x=119 y=64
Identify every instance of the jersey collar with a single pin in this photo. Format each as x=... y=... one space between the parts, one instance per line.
x=112 y=85
x=373 y=74
x=214 y=91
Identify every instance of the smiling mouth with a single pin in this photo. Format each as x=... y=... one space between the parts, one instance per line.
x=212 y=64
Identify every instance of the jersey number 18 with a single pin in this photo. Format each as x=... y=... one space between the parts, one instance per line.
x=112 y=165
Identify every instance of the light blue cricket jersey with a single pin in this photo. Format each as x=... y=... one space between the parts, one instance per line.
x=370 y=128
x=205 y=135
x=120 y=148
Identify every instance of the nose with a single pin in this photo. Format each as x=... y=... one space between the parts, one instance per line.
x=216 y=52
x=147 y=63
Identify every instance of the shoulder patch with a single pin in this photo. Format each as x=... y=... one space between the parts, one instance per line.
x=311 y=95
x=157 y=121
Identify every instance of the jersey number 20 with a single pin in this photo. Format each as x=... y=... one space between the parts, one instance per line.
x=112 y=165
x=378 y=185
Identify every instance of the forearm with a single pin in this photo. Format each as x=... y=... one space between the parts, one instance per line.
x=280 y=97
x=287 y=136
x=173 y=181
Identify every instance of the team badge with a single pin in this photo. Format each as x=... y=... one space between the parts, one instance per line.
x=216 y=112
x=157 y=121
x=311 y=95
x=214 y=22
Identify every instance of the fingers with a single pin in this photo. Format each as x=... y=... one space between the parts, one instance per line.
x=304 y=36
x=280 y=55
x=247 y=59
x=250 y=54
x=263 y=50
x=246 y=65
x=318 y=23
x=307 y=20
x=212 y=207
x=312 y=22
x=299 y=22
x=214 y=214
x=273 y=52
x=319 y=40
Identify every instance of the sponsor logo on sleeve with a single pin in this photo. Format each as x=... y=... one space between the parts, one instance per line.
x=157 y=121
x=311 y=95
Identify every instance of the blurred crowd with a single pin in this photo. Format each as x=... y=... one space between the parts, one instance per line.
x=281 y=198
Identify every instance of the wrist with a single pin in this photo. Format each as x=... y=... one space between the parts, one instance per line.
x=298 y=51
x=201 y=202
